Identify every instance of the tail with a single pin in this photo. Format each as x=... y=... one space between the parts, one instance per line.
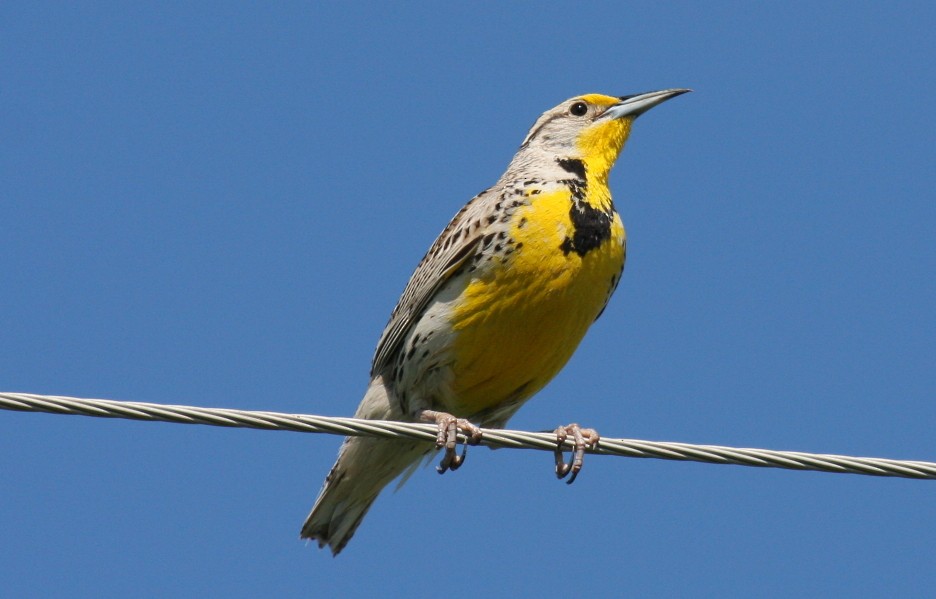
x=365 y=466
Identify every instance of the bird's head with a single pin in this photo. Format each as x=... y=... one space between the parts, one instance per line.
x=591 y=128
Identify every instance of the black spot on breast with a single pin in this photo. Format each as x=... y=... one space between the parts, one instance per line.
x=591 y=227
x=574 y=166
x=578 y=189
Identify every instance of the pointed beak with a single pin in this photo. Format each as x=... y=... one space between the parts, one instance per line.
x=636 y=105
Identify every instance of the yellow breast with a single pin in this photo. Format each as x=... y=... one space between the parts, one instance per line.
x=517 y=323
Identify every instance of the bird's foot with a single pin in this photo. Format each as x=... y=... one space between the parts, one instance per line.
x=447 y=439
x=583 y=438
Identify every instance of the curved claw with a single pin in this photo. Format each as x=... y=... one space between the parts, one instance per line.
x=447 y=437
x=452 y=461
x=582 y=438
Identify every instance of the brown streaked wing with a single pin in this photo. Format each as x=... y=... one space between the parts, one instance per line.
x=449 y=251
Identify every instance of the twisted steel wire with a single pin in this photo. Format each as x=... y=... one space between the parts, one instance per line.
x=305 y=423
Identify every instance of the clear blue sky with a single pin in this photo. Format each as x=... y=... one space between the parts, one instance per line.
x=219 y=205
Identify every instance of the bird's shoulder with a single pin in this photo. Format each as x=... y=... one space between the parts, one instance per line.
x=455 y=244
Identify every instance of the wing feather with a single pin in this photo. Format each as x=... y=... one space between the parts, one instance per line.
x=448 y=253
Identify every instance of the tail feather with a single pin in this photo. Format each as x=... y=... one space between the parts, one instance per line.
x=364 y=467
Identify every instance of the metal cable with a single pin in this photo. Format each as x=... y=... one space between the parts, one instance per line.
x=304 y=423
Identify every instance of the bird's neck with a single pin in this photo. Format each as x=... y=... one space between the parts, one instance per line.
x=600 y=145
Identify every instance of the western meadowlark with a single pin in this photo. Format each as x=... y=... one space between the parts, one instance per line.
x=496 y=307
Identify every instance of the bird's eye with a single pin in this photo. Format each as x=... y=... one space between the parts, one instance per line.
x=578 y=109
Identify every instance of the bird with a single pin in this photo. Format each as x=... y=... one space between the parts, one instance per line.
x=495 y=308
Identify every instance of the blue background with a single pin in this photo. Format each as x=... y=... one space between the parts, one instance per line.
x=219 y=205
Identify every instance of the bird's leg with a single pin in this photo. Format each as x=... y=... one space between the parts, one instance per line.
x=582 y=437
x=448 y=437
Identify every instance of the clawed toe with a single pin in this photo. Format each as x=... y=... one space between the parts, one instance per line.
x=447 y=437
x=582 y=438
